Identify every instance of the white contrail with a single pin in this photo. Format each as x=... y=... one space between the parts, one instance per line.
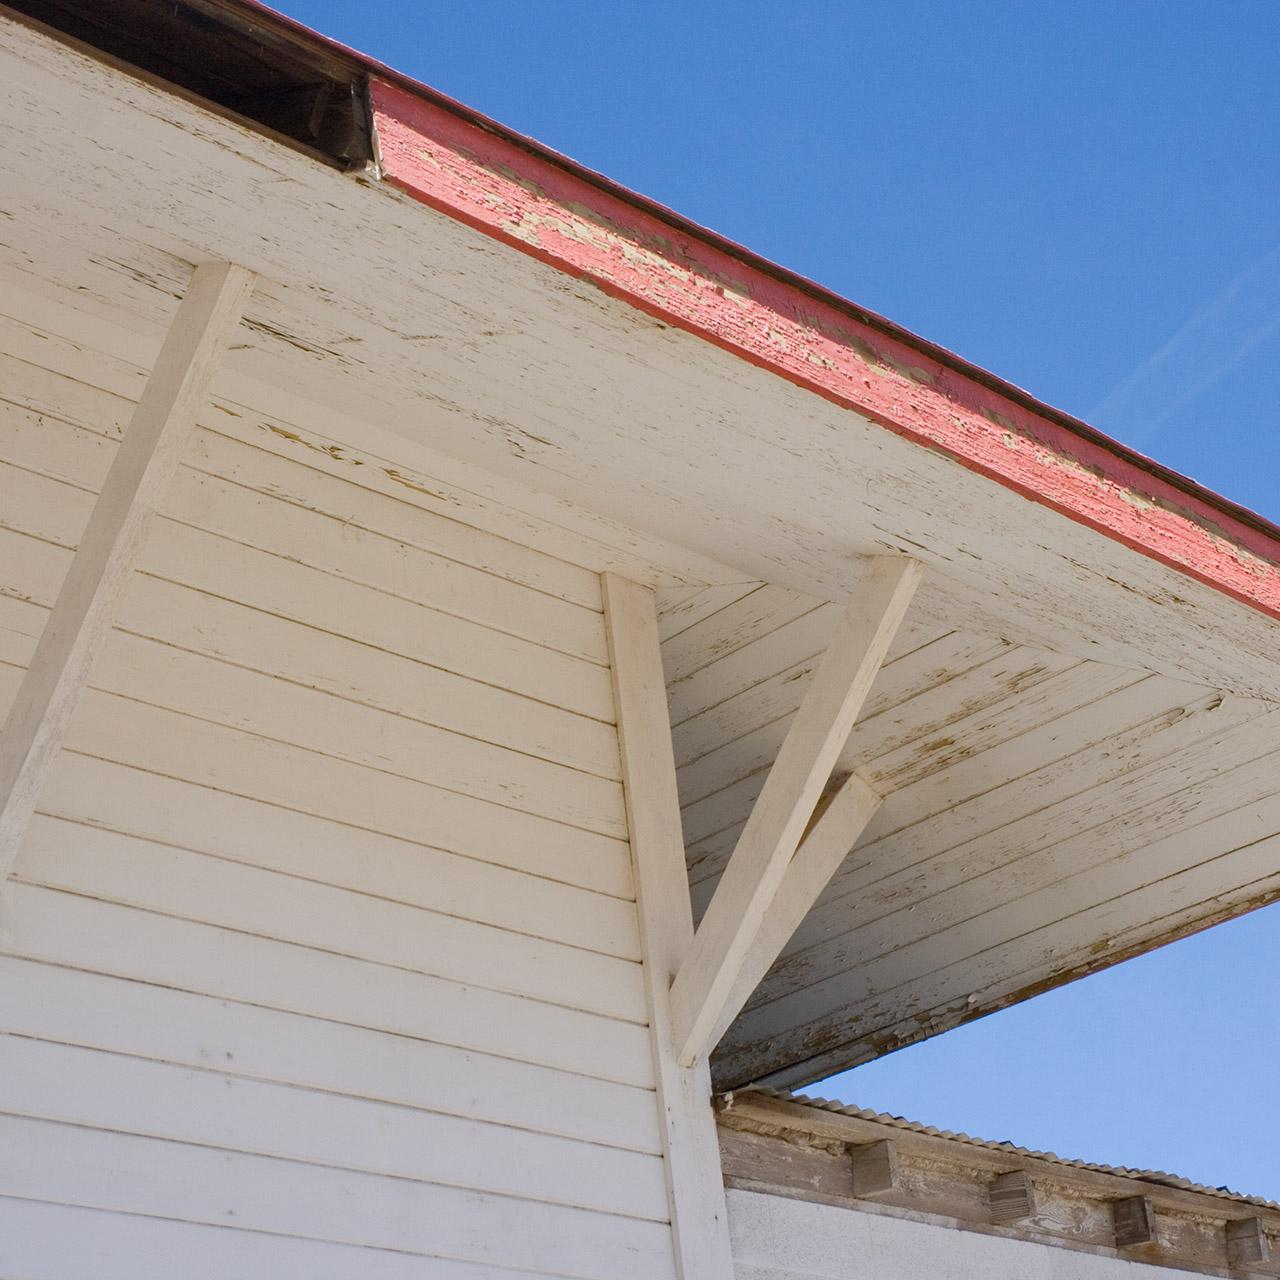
x=1216 y=339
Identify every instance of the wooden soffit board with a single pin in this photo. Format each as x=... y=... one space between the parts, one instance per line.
x=778 y=439
x=480 y=301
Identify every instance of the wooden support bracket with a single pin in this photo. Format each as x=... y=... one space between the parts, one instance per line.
x=85 y=608
x=1247 y=1242
x=714 y=981
x=1013 y=1198
x=875 y=1168
x=1135 y=1222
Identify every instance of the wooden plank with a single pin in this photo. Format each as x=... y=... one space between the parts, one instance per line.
x=779 y=695
x=1013 y=1197
x=1135 y=1221
x=93 y=1011
x=680 y=608
x=167 y=811
x=274 y=460
x=877 y=912
x=185 y=618
x=700 y=992
x=284 y=711
x=41 y=1241
x=390 y=566
x=278 y=842
x=122 y=1172
x=1128 y=753
x=125 y=1094
x=763 y=610
x=928 y=776
x=133 y=489
x=917 y=708
x=193 y=887
x=1247 y=1242
x=100 y=937
x=699 y=1221
x=272 y=584
x=68 y=329
x=1126 y=918
x=829 y=840
x=213 y=756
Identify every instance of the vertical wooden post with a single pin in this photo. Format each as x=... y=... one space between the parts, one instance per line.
x=695 y=1184
x=85 y=608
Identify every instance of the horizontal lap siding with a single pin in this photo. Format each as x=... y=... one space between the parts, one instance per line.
x=321 y=955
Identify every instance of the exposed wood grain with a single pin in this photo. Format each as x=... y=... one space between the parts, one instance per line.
x=1247 y=1242
x=1135 y=1221
x=1013 y=1197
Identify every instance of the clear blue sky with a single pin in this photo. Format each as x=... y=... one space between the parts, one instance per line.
x=1082 y=197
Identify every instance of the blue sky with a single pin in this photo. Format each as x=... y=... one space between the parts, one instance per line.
x=1080 y=196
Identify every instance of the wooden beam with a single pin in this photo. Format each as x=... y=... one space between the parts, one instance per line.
x=1013 y=1198
x=832 y=834
x=703 y=991
x=691 y=1153
x=1247 y=1242
x=875 y=1168
x=1135 y=1221
x=83 y=613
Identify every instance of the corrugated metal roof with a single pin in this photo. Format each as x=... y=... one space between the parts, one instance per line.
x=1155 y=1176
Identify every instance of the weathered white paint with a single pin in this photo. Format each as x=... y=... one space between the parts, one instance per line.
x=1016 y=779
x=322 y=951
x=825 y=846
x=1087 y=758
x=342 y=817
x=139 y=476
x=702 y=994
x=774 y=481
x=777 y=1238
x=695 y=1189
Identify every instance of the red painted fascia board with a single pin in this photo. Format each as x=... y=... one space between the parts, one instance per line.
x=912 y=385
x=1131 y=498
x=463 y=168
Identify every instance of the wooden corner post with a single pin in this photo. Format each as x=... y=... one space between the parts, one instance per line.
x=85 y=608
x=695 y=1184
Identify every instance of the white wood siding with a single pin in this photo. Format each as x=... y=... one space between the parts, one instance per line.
x=321 y=955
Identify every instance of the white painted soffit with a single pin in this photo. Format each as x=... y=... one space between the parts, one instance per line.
x=381 y=309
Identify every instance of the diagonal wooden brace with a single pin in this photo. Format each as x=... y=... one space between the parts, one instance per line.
x=747 y=914
x=83 y=613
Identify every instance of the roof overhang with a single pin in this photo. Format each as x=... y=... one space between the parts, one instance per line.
x=473 y=296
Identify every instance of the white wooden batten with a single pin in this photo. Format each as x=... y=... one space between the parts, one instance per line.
x=140 y=474
x=768 y=886
x=695 y=1187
